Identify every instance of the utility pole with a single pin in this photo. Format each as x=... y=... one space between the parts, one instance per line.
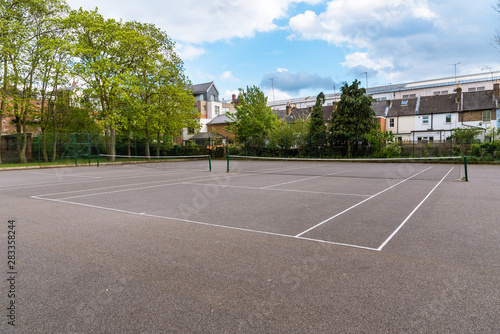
x=272 y=85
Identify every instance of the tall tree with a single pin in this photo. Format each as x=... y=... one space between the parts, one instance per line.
x=107 y=52
x=353 y=119
x=253 y=120
x=160 y=102
x=317 y=126
x=24 y=27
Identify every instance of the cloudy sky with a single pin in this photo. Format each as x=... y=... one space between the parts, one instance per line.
x=296 y=48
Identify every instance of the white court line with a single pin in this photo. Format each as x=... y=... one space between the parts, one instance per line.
x=120 y=186
x=309 y=178
x=143 y=214
x=90 y=181
x=265 y=171
x=259 y=188
x=411 y=214
x=352 y=207
x=66 y=174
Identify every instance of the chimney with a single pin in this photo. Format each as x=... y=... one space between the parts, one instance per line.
x=459 y=92
x=496 y=89
x=234 y=97
x=288 y=109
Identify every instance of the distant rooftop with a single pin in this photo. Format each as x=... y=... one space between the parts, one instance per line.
x=450 y=81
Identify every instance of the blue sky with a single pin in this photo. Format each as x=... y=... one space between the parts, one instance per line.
x=311 y=46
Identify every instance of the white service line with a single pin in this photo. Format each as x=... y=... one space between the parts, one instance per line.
x=265 y=188
x=309 y=178
x=143 y=214
x=411 y=214
x=355 y=205
x=50 y=184
x=66 y=174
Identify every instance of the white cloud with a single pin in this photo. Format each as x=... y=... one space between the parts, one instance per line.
x=228 y=94
x=277 y=95
x=199 y=21
x=362 y=59
x=228 y=76
x=357 y=23
x=295 y=82
x=188 y=51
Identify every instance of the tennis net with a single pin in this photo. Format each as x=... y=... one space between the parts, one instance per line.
x=378 y=168
x=189 y=162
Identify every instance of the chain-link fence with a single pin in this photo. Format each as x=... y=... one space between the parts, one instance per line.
x=84 y=149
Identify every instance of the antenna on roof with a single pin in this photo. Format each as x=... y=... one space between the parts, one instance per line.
x=455 y=70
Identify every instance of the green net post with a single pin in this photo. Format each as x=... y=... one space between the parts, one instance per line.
x=88 y=146
x=74 y=149
x=209 y=163
x=465 y=168
x=227 y=170
x=38 y=141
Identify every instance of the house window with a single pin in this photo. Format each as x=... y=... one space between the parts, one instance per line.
x=426 y=139
x=480 y=88
x=444 y=92
x=217 y=110
x=437 y=93
x=409 y=96
x=212 y=97
x=486 y=115
x=225 y=109
x=448 y=118
x=204 y=108
x=425 y=119
x=472 y=89
x=404 y=102
x=391 y=122
x=190 y=131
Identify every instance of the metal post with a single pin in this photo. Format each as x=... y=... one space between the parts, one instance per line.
x=38 y=140
x=74 y=148
x=413 y=142
x=465 y=165
x=88 y=143
x=227 y=170
x=209 y=163
x=98 y=159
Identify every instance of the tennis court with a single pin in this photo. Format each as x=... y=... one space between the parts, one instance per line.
x=251 y=245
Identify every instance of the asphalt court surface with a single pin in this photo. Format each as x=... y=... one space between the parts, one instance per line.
x=265 y=248
x=357 y=205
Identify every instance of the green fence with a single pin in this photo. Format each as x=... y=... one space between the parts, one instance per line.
x=83 y=149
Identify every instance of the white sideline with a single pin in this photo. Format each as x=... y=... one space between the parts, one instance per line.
x=411 y=214
x=363 y=201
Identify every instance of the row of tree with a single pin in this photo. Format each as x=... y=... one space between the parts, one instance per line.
x=131 y=81
x=353 y=126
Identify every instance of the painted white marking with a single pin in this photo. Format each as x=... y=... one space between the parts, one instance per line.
x=309 y=178
x=286 y=190
x=143 y=214
x=411 y=214
x=118 y=186
x=66 y=174
x=352 y=207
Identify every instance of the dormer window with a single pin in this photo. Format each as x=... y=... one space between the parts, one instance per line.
x=404 y=102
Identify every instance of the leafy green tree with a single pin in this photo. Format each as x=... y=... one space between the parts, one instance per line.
x=253 y=120
x=317 y=126
x=289 y=136
x=160 y=103
x=24 y=27
x=107 y=52
x=353 y=119
x=465 y=135
x=383 y=144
